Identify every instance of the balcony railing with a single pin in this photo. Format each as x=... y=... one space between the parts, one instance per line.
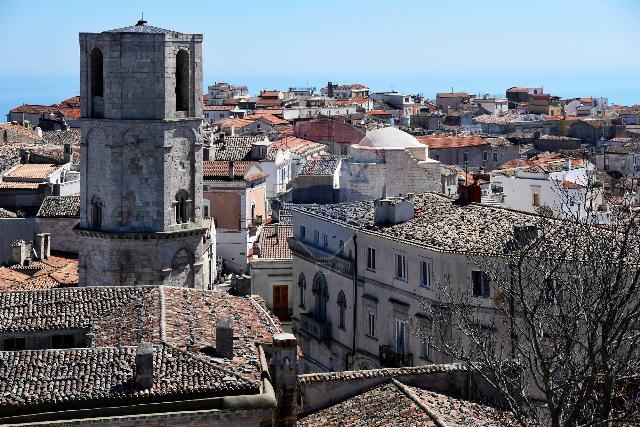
x=318 y=256
x=320 y=330
x=391 y=359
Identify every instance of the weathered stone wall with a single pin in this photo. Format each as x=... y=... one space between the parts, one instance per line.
x=139 y=154
x=63 y=237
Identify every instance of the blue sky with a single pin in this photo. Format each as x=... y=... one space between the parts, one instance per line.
x=573 y=48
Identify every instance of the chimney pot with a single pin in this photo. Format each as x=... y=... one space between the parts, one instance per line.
x=144 y=365
x=224 y=337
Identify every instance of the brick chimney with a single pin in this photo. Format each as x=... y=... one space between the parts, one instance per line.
x=284 y=365
x=224 y=337
x=144 y=365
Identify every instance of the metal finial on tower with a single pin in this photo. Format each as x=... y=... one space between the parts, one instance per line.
x=141 y=21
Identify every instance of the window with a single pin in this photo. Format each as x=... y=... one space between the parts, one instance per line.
x=465 y=157
x=424 y=348
x=62 y=341
x=401 y=267
x=325 y=240
x=342 y=307
x=485 y=156
x=371 y=259
x=480 y=282
x=495 y=157
x=97 y=76
x=536 y=199
x=96 y=212
x=553 y=292
x=401 y=336
x=182 y=80
x=371 y=323
x=316 y=237
x=303 y=232
x=302 y=287
x=321 y=292
x=181 y=210
x=341 y=247
x=437 y=157
x=425 y=273
x=14 y=344
x=426 y=329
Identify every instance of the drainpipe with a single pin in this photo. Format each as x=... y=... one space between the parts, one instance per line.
x=355 y=299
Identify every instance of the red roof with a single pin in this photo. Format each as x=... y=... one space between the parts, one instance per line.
x=268 y=117
x=35 y=109
x=378 y=113
x=571 y=185
x=437 y=141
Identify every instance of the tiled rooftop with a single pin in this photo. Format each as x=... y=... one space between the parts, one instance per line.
x=383 y=405
x=124 y=316
x=19 y=129
x=300 y=146
x=325 y=165
x=273 y=242
x=18 y=185
x=220 y=169
x=438 y=141
x=71 y=136
x=439 y=224
x=60 y=207
x=80 y=374
x=236 y=147
x=142 y=28
x=59 y=270
x=32 y=171
x=7 y=214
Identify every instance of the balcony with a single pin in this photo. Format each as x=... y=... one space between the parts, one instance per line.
x=391 y=359
x=319 y=330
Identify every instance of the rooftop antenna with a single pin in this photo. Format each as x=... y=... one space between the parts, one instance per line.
x=141 y=21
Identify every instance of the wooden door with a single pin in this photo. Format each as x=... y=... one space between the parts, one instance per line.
x=281 y=301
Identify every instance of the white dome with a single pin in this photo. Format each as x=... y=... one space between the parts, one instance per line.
x=389 y=137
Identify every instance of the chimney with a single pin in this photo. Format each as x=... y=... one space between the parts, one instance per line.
x=20 y=251
x=38 y=246
x=232 y=170
x=224 y=337
x=392 y=211
x=144 y=365
x=567 y=164
x=47 y=245
x=284 y=367
x=68 y=152
x=523 y=234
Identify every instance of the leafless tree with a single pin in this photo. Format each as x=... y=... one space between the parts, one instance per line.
x=559 y=336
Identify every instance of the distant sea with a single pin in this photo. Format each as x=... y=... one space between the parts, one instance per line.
x=622 y=88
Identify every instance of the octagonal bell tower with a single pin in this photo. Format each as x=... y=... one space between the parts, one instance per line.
x=141 y=158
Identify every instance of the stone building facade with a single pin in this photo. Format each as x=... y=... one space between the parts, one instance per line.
x=141 y=192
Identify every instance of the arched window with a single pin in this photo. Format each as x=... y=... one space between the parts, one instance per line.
x=342 y=306
x=182 y=207
x=182 y=80
x=321 y=292
x=302 y=287
x=97 y=77
x=96 y=212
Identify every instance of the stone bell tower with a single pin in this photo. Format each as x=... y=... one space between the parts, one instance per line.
x=141 y=147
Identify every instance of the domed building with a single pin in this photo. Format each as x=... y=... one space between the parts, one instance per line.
x=388 y=162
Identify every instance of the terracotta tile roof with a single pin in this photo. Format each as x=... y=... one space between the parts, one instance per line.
x=61 y=137
x=8 y=274
x=571 y=185
x=270 y=93
x=236 y=147
x=220 y=169
x=456 y=412
x=59 y=207
x=439 y=224
x=72 y=113
x=19 y=185
x=452 y=94
x=126 y=315
x=34 y=109
x=73 y=102
x=33 y=171
x=261 y=102
x=237 y=123
x=285 y=129
x=273 y=242
x=269 y=111
x=325 y=165
x=378 y=113
x=269 y=118
x=352 y=86
x=55 y=271
x=437 y=141
x=382 y=405
x=13 y=127
x=81 y=374
x=300 y=146
x=218 y=107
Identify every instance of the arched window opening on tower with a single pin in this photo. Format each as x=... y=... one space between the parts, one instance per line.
x=182 y=207
x=342 y=306
x=97 y=78
x=182 y=80
x=96 y=212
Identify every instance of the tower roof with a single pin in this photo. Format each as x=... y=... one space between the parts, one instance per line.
x=142 y=27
